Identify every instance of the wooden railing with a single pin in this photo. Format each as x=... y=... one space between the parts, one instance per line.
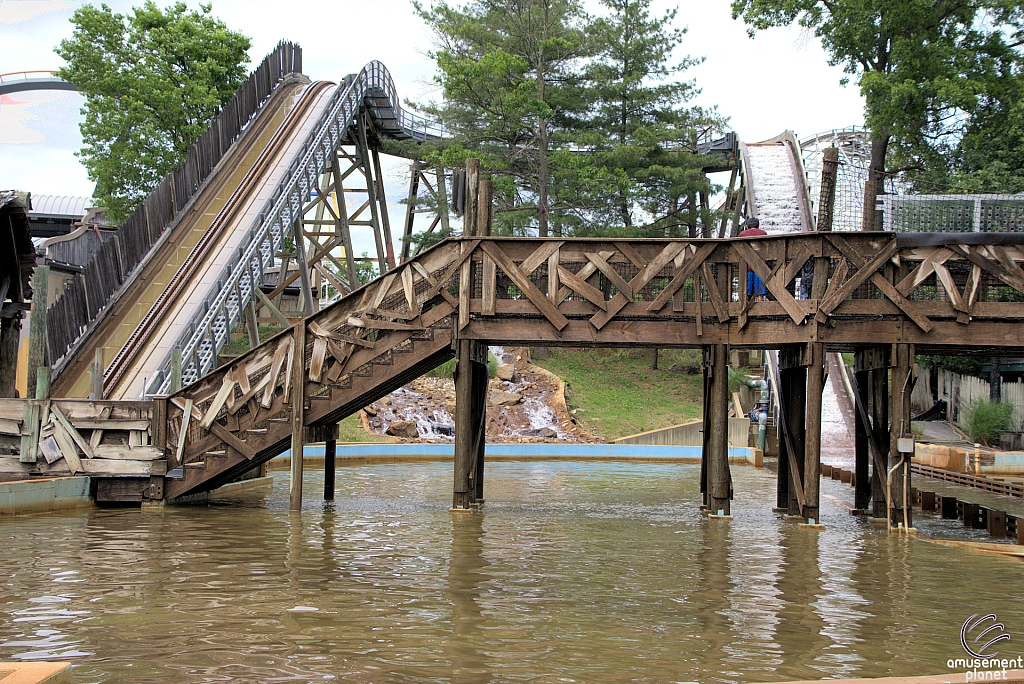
x=842 y=289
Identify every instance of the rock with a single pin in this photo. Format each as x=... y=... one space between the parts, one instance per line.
x=370 y=410
x=506 y=373
x=386 y=401
x=543 y=433
x=501 y=398
x=405 y=429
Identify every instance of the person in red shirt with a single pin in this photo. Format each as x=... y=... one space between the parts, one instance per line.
x=755 y=287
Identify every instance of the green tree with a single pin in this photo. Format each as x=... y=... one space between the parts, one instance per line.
x=152 y=80
x=509 y=72
x=640 y=131
x=923 y=66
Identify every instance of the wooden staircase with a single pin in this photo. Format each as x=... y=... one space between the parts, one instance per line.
x=342 y=358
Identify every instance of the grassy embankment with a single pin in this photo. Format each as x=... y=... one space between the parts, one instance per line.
x=617 y=394
x=614 y=391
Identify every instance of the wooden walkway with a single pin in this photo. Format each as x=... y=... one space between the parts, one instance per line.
x=882 y=295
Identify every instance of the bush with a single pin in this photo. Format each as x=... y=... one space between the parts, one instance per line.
x=985 y=419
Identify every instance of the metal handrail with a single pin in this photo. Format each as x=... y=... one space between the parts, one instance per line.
x=235 y=287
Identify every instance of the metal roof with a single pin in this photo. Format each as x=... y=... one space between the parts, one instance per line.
x=60 y=205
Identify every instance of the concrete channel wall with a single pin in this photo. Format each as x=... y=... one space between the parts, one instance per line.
x=41 y=495
x=690 y=434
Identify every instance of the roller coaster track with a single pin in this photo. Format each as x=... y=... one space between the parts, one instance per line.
x=22 y=81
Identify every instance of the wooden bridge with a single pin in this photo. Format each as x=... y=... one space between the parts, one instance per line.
x=884 y=296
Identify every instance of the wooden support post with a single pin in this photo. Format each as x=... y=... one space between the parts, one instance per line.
x=470 y=389
x=158 y=425
x=175 y=370
x=880 y=427
x=719 y=477
x=705 y=451
x=862 y=453
x=298 y=401
x=43 y=382
x=96 y=375
x=37 y=334
x=470 y=373
x=812 y=443
x=252 y=325
x=901 y=506
x=308 y=306
x=793 y=378
x=10 y=331
x=484 y=208
x=330 y=466
x=827 y=198
x=415 y=169
x=948 y=508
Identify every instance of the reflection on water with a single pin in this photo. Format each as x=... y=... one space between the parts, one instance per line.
x=580 y=572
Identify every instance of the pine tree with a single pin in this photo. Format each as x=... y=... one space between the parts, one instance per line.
x=641 y=130
x=509 y=75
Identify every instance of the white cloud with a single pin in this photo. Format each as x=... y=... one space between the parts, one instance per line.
x=778 y=80
x=20 y=11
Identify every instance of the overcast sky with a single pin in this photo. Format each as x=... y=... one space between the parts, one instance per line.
x=779 y=80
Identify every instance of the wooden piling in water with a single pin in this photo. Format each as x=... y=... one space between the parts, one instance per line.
x=719 y=477
x=901 y=510
x=298 y=406
x=812 y=441
x=793 y=378
x=470 y=370
x=862 y=452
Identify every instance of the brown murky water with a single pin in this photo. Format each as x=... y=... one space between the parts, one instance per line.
x=576 y=572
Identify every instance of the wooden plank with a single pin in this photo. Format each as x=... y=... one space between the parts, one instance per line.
x=97 y=467
x=796 y=264
x=219 y=431
x=67 y=448
x=611 y=274
x=627 y=251
x=525 y=285
x=490 y=284
x=878 y=280
x=10 y=427
x=943 y=276
x=721 y=310
x=139 y=453
x=638 y=283
x=112 y=424
x=971 y=288
x=443 y=292
x=316 y=362
x=465 y=292
x=250 y=393
x=689 y=266
x=938 y=255
x=227 y=387
x=539 y=256
x=71 y=431
x=275 y=312
x=275 y=371
x=553 y=277
x=864 y=271
x=587 y=291
x=186 y=417
x=780 y=293
x=697 y=297
x=340 y=337
x=50 y=449
x=407 y=287
x=1012 y=279
x=383 y=288
x=373 y=324
x=583 y=274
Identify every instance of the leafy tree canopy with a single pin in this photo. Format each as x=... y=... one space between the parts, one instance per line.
x=929 y=70
x=153 y=80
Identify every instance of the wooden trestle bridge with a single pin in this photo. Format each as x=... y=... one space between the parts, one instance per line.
x=883 y=296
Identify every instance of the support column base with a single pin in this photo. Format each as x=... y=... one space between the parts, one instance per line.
x=814 y=527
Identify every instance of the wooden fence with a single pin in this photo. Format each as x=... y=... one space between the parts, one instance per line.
x=116 y=258
x=960 y=391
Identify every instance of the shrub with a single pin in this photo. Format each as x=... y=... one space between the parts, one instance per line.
x=985 y=419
